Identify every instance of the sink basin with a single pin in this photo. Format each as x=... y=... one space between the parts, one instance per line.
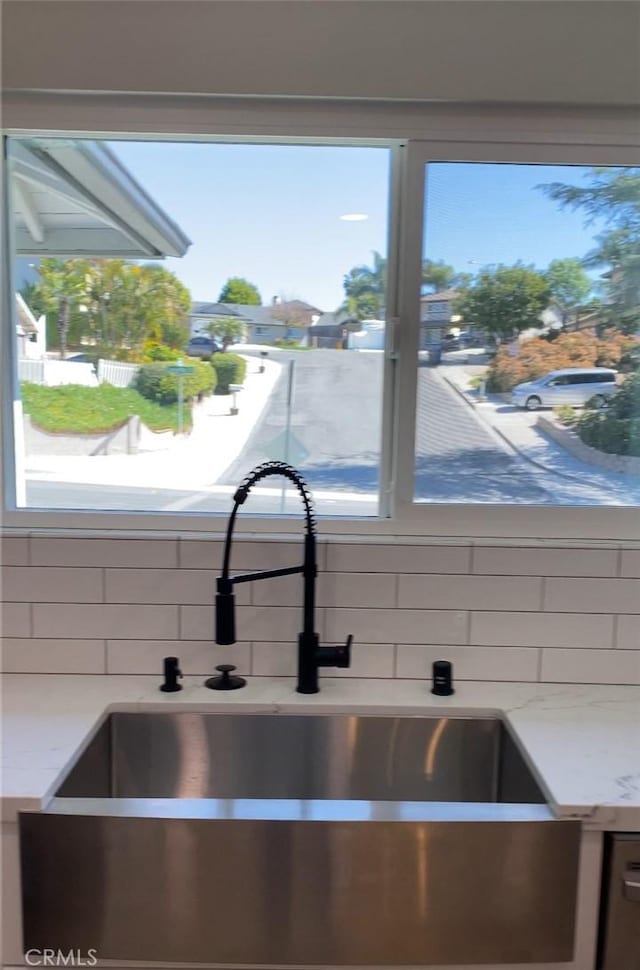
x=294 y=840
x=204 y=756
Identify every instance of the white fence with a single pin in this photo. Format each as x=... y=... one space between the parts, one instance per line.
x=117 y=373
x=55 y=372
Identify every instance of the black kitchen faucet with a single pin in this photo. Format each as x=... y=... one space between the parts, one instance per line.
x=311 y=655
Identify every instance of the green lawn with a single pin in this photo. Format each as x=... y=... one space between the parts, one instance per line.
x=93 y=410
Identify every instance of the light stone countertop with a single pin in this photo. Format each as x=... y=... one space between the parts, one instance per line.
x=583 y=742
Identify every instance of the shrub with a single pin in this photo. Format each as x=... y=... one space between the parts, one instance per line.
x=539 y=356
x=155 y=383
x=616 y=429
x=230 y=369
x=566 y=415
x=154 y=351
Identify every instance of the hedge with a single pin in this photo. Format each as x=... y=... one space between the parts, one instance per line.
x=616 y=428
x=156 y=384
x=230 y=369
x=538 y=356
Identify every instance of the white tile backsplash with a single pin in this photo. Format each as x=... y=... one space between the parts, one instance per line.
x=15 y=619
x=498 y=610
x=105 y=621
x=472 y=592
x=199 y=657
x=630 y=562
x=14 y=551
x=628 y=637
x=391 y=626
x=593 y=595
x=544 y=562
x=541 y=629
x=35 y=656
x=55 y=584
x=280 y=660
x=398 y=558
x=469 y=663
x=132 y=553
x=591 y=666
x=188 y=586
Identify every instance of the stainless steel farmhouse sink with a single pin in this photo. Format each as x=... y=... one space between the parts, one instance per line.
x=276 y=839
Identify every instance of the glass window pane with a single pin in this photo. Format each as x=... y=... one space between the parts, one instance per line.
x=529 y=270
x=187 y=311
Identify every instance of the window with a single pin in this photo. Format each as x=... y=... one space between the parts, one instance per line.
x=421 y=462
x=118 y=238
x=542 y=260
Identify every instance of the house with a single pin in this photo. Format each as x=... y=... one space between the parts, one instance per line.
x=31 y=333
x=279 y=320
x=436 y=316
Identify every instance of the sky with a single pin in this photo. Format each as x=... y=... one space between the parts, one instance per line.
x=272 y=214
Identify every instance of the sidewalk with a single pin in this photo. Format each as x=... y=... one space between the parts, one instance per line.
x=517 y=430
x=190 y=462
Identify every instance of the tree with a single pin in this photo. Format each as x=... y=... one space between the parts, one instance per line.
x=60 y=291
x=505 y=301
x=228 y=330
x=365 y=290
x=569 y=285
x=239 y=290
x=115 y=305
x=437 y=275
x=613 y=196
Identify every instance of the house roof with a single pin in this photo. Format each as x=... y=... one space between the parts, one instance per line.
x=26 y=319
x=441 y=296
x=273 y=315
x=73 y=197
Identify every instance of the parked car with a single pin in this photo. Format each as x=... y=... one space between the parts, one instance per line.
x=573 y=385
x=202 y=346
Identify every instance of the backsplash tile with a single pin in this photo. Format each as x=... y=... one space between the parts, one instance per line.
x=14 y=551
x=498 y=610
x=280 y=660
x=591 y=666
x=55 y=584
x=628 y=637
x=196 y=657
x=541 y=629
x=474 y=592
x=469 y=663
x=593 y=595
x=398 y=558
x=544 y=562
x=44 y=656
x=106 y=621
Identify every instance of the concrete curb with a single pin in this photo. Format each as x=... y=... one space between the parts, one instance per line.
x=507 y=441
x=569 y=440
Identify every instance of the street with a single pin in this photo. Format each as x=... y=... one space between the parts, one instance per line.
x=331 y=433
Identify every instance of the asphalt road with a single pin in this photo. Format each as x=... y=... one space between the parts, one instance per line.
x=335 y=425
x=334 y=439
x=457 y=460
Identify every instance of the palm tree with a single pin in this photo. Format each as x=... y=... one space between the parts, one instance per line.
x=365 y=290
x=62 y=287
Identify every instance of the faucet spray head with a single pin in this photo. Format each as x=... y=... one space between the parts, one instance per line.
x=225 y=613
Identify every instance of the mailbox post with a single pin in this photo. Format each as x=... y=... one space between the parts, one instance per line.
x=235 y=388
x=180 y=370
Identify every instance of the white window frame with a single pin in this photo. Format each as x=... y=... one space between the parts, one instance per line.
x=581 y=136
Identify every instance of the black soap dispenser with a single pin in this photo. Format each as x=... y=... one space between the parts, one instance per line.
x=442 y=682
x=171 y=673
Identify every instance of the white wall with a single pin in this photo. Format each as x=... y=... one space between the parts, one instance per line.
x=557 y=51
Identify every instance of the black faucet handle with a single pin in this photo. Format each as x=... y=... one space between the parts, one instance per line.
x=339 y=656
x=344 y=653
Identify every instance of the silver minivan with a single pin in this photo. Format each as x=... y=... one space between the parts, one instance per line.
x=573 y=385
